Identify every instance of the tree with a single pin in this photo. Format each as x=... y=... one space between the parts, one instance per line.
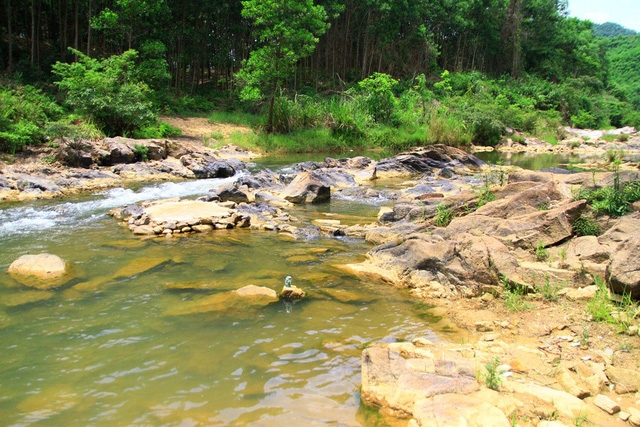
x=286 y=30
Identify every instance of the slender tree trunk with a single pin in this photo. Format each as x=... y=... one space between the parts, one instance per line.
x=89 y=29
x=33 y=32
x=10 y=36
x=76 y=25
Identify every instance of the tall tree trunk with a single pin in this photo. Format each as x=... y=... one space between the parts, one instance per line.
x=76 y=25
x=89 y=29
x=33 y=32
x=10 y=36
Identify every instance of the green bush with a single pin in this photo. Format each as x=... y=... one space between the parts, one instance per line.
x=107 y=91
x=157 y=130
x=24 y=113
x=379 y=97
x=445 y=128
x=347 y=120
x=487 y=131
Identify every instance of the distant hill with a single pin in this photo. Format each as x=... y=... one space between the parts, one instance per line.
x=611 y=29
x=624 y=72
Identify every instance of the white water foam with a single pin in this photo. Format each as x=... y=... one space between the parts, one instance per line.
x=28 y=220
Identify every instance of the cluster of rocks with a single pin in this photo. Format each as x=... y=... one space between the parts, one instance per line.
x=584 y=141
x=89 y=166
x=443 y=384
x=498 y=241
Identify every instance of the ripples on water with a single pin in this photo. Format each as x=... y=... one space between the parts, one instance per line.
x=109 y=349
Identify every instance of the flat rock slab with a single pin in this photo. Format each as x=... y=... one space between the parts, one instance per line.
x=185 y=211
x=454 y=410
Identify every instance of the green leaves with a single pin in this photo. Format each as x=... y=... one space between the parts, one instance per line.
x=108 y=91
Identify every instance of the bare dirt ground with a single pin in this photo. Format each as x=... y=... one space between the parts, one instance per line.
x=562 y=330
x=199 y=129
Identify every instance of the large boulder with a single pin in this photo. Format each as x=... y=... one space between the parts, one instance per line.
x=453 y=410
x=119 y=151
x=42 y=271
x=307 y=187
x=206 y=166
x=26 y=182
x=462 y=264
x=524 y=231
x=74 y=156
x=424 y=160
x=623 y=272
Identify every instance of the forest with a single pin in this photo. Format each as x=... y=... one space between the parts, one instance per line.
x=311 y=76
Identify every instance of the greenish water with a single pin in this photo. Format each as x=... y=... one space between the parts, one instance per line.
x=533 y=161
x=126 y=341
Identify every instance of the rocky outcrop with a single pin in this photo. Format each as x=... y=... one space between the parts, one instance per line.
x=426 y=160
x=233 y=192
x=426 y=263
x=41 y=271
x=524 y=229
x=396 y=377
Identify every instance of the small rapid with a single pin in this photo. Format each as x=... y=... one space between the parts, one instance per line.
x=46 y=216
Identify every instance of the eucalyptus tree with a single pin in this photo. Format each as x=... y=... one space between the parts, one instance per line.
x=285 y=31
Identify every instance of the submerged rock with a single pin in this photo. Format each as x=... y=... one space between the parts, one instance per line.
x=23 y=298
x=42 y=271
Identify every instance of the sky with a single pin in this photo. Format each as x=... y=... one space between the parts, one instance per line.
x=623 y=12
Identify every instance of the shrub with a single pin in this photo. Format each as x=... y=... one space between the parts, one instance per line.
x=492 y=377
x=487 y=131
x=379 y=97
x=445 y=128
x=158 y=130
x=24 y=113
x=141 y=152
x=107 y=91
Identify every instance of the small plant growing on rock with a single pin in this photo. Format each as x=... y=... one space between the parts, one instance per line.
x=584 y=337
x=444 y=215
x=492 y=377
x=623 y=137
x=600 y=306
x=581 y=420
x=563 y=257
x=542 y=254
x=586 y=225
x=514 y=296
x=141 y=152
x=548 y=290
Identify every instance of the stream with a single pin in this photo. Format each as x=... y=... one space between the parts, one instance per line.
x=118 y=345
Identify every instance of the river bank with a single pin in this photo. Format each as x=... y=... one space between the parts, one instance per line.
x=550 y=336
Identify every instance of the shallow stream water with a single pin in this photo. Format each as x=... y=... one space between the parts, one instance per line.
x=124 y=343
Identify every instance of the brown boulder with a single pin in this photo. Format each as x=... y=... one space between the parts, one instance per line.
x=306 y=188
x=623 y=272
x=524 y=231
x=465 y=262
x=42 y=271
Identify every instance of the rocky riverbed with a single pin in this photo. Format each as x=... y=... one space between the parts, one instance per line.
x=507 y=268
